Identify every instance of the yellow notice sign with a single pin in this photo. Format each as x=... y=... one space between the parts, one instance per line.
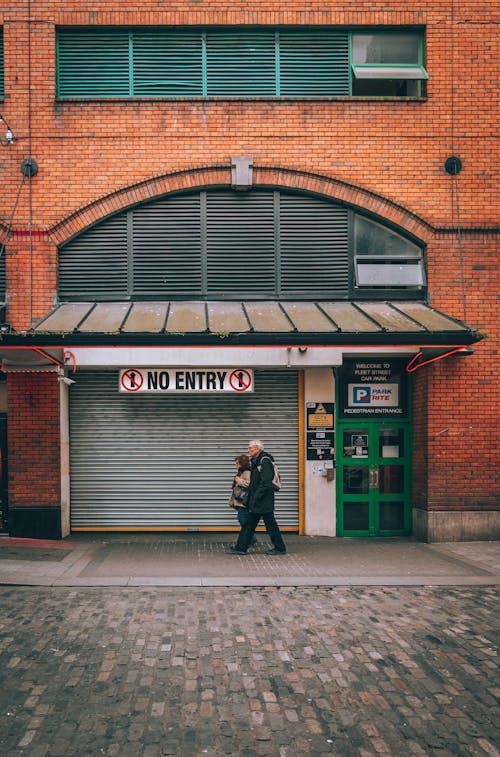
x=321 y=420
x=319 y=415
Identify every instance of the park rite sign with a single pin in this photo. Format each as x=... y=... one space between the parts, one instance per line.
x=371 y=388
x=185 y=380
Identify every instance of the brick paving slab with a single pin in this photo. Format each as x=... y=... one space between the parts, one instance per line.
x=259 y=672
x=203 y=560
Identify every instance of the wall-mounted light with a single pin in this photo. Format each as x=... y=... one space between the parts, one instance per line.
x=453 y=165
x=7 y=138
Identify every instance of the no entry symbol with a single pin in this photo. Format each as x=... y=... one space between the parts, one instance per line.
x=132 y=380
x=240 y=380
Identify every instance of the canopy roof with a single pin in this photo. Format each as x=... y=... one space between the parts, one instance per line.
x=245 y=323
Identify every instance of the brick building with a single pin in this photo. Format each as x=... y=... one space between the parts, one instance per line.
x=223 y=221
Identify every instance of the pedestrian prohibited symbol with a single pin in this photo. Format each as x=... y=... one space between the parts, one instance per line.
x=132 y=380
x=240 y=380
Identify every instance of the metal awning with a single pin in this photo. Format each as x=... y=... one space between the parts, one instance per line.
x=244 y=323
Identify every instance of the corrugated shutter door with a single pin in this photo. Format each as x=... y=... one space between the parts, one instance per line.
x=167 y=461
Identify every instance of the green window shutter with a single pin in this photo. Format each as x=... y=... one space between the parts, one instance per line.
x=314 y=63
x=167 y=64
x=166 y=248
x=314 y=247
x=241 y=63
x=93 y=64
x=2 y=87
x=240 y=231
x=94 y=265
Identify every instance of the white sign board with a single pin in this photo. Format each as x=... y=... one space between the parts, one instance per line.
x=185 y=380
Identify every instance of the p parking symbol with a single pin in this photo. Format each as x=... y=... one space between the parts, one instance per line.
x=361 y=395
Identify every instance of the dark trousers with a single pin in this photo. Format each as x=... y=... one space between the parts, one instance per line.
x=243 y=513
x=272 y=528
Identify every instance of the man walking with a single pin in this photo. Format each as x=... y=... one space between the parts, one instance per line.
x=260 y=502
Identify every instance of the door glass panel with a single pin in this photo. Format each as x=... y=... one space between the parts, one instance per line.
x=355 y=441
x=356 y=479
x=356 y=516
x=391 y=442
x=391 y=479
x=392 y=516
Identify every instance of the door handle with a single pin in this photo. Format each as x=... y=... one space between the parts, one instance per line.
x=373 y=481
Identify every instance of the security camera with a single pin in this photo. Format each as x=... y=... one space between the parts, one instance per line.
x=66 y=380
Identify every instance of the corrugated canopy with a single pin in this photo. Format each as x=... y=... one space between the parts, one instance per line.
x=228 y=322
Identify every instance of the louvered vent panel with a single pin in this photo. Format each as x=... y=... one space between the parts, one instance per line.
x=314 y=247
x=93 y=64
x=314 y=64
x=240 y=243
x=167 y=248
x=239 y=64
x=167 y=64
x=94 y=265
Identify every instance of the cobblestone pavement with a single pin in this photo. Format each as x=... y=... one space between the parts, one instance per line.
x=285 y=672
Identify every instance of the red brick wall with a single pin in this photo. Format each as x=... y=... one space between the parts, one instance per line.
x=393 y=150
x=34 y=440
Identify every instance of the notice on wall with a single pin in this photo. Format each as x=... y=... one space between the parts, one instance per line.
x=185 y=380
x=320 y=435
x=373 y=388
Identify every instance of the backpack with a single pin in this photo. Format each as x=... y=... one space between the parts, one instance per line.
x=276 y=483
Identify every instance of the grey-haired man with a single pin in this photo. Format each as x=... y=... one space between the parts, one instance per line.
x=260 y=502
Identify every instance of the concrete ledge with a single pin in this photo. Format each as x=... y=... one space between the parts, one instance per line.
x=446 y=526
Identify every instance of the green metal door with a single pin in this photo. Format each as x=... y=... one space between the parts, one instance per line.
x=373 y=478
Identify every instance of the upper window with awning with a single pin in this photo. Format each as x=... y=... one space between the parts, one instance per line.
x=261 y=244
x=388 y=63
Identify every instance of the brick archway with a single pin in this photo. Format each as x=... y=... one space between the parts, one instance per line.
x=220 y=176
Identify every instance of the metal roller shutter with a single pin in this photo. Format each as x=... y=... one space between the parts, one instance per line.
x=154 y=461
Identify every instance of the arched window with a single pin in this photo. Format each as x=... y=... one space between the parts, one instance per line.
x=221 y=244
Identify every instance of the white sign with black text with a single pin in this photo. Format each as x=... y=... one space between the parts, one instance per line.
x=185 y=380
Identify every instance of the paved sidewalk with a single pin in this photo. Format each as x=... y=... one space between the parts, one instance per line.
x=201 y=559
x=346 y=671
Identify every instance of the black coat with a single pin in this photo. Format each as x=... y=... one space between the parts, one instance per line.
x=261 y=492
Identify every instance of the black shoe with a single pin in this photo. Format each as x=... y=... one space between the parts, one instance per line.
x=275 y=551
x=234 y=551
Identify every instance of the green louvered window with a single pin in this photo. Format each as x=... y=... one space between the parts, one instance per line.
x=221 y=244
x=223 y=62
x=2 y=86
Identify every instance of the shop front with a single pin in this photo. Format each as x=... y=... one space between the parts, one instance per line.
x=147 y=434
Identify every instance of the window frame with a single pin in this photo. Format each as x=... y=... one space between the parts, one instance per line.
x=340 y=85
x=382 y=72
x=391 y=260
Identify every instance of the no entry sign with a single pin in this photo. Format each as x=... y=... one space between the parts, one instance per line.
x=185 y=380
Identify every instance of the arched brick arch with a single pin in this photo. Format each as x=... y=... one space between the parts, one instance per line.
x=220 y=176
